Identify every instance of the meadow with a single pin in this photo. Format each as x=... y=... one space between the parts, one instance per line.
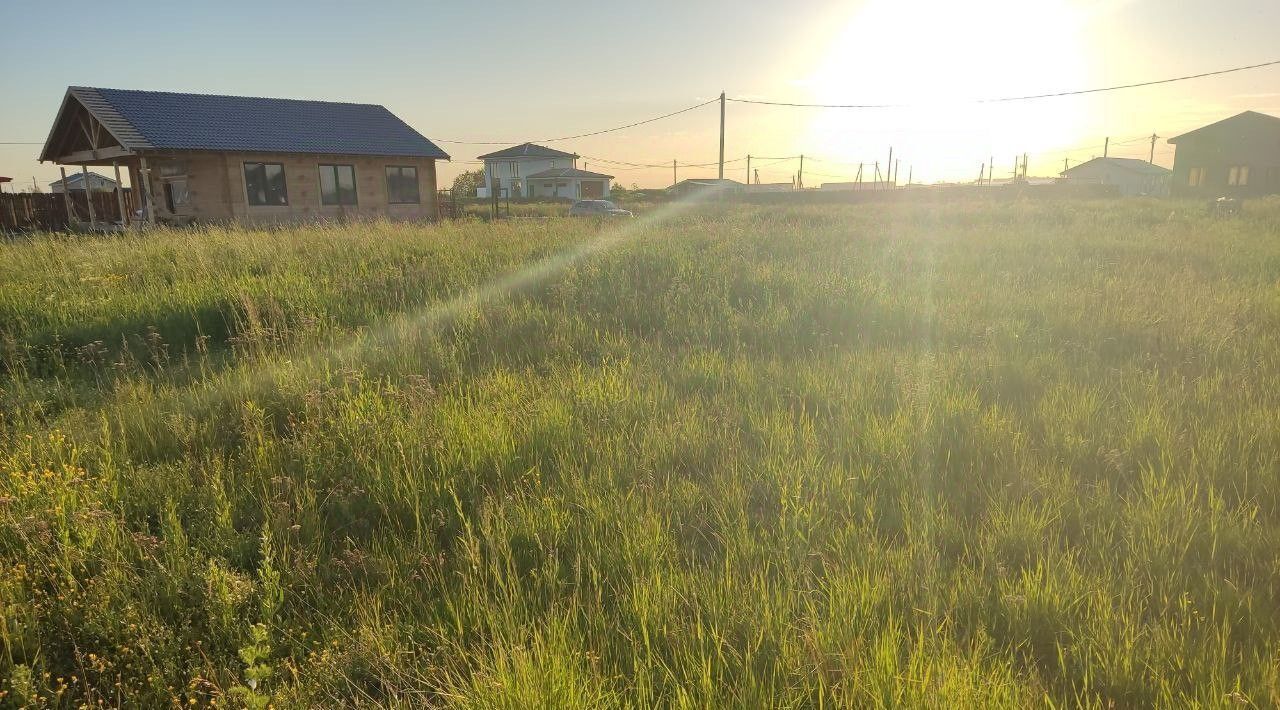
x=969 y=455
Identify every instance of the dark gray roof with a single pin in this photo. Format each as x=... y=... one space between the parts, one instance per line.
x=1244 y=116
x=528 y=150
x=1132 y=164
x=568 y=173
x=160 y=120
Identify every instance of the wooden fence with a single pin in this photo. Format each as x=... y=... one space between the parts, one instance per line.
x=47 y=212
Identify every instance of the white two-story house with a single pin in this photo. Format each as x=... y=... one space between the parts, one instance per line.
x=529 y=170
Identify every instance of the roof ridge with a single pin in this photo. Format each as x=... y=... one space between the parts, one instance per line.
x=228 y=96
x=1247 y=112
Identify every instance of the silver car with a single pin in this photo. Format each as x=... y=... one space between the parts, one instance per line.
x=597 y=208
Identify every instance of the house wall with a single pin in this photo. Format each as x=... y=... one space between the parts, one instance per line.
x=526 y=166
x=550 y=188
x=570 y=188
x=1235 y=143
x=217 y=190
x=1128 y=181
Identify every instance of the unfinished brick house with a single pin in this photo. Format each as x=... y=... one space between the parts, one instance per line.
x=207 y=158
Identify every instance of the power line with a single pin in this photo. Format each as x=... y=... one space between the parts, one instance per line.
x=582 y=135
x=1007 y=99
x=775 y=161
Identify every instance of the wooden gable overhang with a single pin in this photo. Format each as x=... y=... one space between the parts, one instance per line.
x=86 y=134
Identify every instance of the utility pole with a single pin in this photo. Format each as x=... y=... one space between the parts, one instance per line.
x=1152 y=157
x=800 y=175
x=1015 y=168
x=991 y=169
x=896 y=165
x=673 y=172
x=1065 y=162
x=982 y=172
x=748 y=169
x=721 y=135
x=859 y=187
x=875 y=184
x=888 y=167
x=1106 y=146
x=1024 y=166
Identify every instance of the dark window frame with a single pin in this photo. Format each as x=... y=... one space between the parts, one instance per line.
x=417 y=186
x=355 y=186
x=170 y=199
x=284 y=184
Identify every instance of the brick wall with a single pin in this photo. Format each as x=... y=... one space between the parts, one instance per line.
x=216 y=185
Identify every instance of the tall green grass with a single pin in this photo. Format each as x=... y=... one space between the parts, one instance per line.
x=969 y=455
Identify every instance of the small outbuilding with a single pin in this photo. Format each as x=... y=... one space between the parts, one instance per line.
x=1130 y=175
x=241 y=158
x=1238 y=156
x=696 y=186
x=573 y=183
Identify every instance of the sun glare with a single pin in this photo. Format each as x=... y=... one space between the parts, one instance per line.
x=937 y=55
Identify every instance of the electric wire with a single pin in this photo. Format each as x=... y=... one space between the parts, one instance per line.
x=580 y=135
x=1009 y=99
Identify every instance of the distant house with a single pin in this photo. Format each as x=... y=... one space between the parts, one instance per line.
x=529 y=170
x=75 y=181
x=1130 y=175
x=1239 y=155
x=848 y=186
x=220 y=158
x=769 y=187
x=697 y=186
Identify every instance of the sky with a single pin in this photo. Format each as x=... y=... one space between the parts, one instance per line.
x=515 y=72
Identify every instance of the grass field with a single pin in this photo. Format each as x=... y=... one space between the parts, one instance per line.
x=998 y=455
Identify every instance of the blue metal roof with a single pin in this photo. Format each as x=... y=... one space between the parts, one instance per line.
x=171 y=121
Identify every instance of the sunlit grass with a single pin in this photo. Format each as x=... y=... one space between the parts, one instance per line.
x=968 y=455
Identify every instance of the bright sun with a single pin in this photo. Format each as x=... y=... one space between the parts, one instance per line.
x=934 y=55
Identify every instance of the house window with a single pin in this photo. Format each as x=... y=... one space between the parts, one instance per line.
x=264 y=183
x=173 y=168
x=1195 y=177
x=176 y=194
x=337 y=185
x=1238 y=175
x=402 y=185
x=514 y=168
x=173 y=178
